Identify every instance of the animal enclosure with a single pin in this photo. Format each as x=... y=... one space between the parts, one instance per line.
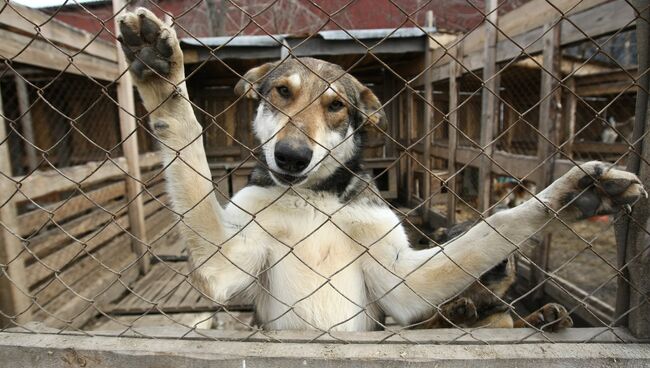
x=483 y=112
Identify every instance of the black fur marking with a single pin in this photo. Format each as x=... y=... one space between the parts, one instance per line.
x=615 y=187
x=160 y=125
x=496 y=273
x=585 y=182
x=588 y=203
x=598 y=171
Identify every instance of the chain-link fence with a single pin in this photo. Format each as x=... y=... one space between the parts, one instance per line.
x=408 y=188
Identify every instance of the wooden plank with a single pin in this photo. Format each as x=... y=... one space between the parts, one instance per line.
x=511 y=337
x=549 y=129
x=69 y=254
x=100 y=287
x=454 y=92
x=488 y=106
x=130 y=148
x=55 y=180
x=570 y=116
x=410 y=124
x=15 y=300
x=27 y=20
x=192 y=320
x=428 y=117
x=60 y=211
x=46 y=292
x=519 y=166
x=635 y=243
x=50 y=241
x=35 y=52
x=595 y=18
x=26 y=123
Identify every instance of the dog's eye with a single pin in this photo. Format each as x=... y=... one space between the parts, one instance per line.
x=283 y=91
x=335 y=106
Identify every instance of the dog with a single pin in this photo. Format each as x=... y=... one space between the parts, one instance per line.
x=310 y=241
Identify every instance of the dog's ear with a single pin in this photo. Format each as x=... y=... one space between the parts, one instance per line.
x=250 y=82
x=372 y=108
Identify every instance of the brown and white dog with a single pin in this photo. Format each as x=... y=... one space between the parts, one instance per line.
x=309 y=240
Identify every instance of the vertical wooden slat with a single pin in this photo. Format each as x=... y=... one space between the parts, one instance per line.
x=410 y=117
x=549 y=127
x=631 y=236
x=391 y=112
x=26 y=123
x=570 y=116
x=130 y=147
x=454 y=91
x=14 y=299
x=488 y=106
x=428 y=117
x=637 y=254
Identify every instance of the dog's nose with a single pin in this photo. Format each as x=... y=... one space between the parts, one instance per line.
x=291 y=158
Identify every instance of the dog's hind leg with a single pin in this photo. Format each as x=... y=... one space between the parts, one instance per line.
x=226 y=263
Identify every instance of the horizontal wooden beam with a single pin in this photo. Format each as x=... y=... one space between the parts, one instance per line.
x=36 y=52
x=595 y=18
x=51 y=348
x=40 y=183
x=35 y=23
x=504 y=163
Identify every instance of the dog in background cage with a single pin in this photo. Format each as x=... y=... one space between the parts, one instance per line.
x=310 y=241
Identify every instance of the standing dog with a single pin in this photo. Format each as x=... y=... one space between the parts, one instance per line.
x=310 y=240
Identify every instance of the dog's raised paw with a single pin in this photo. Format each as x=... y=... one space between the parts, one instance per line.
x=595 y=188
x=150 y=46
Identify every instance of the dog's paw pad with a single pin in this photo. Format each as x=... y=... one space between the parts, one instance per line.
x=149 y=45
x=596 y=189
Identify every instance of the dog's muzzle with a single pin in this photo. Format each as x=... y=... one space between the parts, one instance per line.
x=292 y=159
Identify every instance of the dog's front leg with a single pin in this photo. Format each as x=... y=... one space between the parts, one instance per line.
x=221 y=258
x=410 y=283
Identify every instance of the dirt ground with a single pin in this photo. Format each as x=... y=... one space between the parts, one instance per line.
x=584 y=254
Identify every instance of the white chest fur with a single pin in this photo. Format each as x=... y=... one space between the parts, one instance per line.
x=315 y=252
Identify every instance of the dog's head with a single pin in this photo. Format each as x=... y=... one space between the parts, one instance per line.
x=309 y=118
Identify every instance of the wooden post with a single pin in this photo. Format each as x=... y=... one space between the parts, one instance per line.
x=391 y=114
x=27 y=125
x=549 y=127
x=409 y=141
x=570 y=116
x=130 y=147
x=631 y=236
x=488 y=106
x=454 y=91
x=14 y=291
x=428 y=117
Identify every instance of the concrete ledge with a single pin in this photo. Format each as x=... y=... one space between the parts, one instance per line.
x=46 y=350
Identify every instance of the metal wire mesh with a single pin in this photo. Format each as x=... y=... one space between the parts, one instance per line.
x=484 y=111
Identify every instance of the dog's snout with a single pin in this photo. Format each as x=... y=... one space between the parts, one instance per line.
x=291 y=158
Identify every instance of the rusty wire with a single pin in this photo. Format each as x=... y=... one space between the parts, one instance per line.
x=82 y=113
